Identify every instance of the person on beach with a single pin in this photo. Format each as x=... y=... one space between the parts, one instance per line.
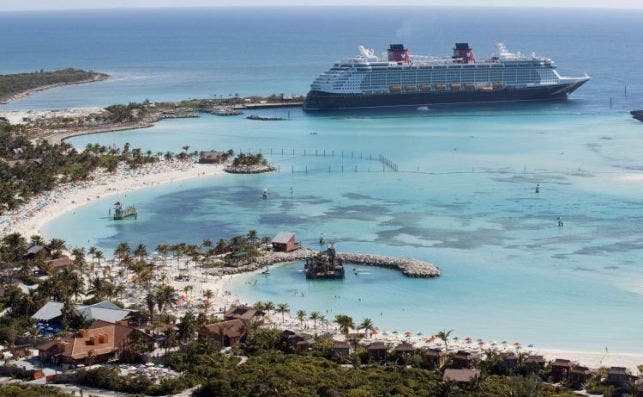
x=560 y=222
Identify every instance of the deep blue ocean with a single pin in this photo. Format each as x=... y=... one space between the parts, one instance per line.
x=464 y=198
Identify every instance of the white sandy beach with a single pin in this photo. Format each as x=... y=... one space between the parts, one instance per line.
x=30 y=218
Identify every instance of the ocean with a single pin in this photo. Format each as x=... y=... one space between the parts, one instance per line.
x=464 y=197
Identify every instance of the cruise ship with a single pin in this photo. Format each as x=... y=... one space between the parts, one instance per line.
x=398 y=79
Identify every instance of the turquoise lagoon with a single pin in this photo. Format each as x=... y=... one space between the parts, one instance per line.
x=464 y=199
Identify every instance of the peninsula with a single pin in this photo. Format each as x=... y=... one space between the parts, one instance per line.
x=19 y=85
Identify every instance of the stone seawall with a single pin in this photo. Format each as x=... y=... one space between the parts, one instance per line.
x=408 y=267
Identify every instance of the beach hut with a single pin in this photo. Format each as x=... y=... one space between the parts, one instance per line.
x=284 y=242
x=434 y=358
x=462 y=359
x=619 y=376
x=578 y=376
x=534 y=364
x=509 y=361
x=460 y=375
x=377 y=351
x=404 y=352
x=560 y=369
x=639 y=388
x=341 y=350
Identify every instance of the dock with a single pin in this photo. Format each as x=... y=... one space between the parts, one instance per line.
x=270 y=105
x=409 y=267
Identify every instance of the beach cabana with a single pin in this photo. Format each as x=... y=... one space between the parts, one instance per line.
x=434 y=358
x=462 y=359
x=225 y=333
x=560 y=369
x=619 y=376
x=509 y=361
x=534 y=364
x=578 y=376
x=377 y=351
x=341 y=350
x=404 y=352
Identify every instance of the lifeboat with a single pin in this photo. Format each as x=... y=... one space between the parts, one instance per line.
x=440 y=87
x=455 y=86
x=410 y=88
x=395 y=89
x=486 y=89
x=425 y=87
x=469 y=86
x=497 y=85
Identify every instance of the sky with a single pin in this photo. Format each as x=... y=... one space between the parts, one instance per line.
x=21 y=5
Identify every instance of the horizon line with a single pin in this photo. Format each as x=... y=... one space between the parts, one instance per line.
x=241 y=6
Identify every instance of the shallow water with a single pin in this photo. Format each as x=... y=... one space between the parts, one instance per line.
x=464 y=197
x=508 y=270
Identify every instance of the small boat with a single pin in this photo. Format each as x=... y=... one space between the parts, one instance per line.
x=423 y=108
x=263 y=118
x=266 y=271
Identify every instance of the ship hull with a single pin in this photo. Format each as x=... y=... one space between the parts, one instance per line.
x=325 y=101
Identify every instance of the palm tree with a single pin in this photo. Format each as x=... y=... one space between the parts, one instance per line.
x=283 y=308
x=253 y=237
x=121 y=250
x=301 y=316
x=207 y=298
x=367 y=325
x=98 y=255
x=444 y=335
x=344 y=322
x=140 y=252
x=315 y=316
x=165 y=297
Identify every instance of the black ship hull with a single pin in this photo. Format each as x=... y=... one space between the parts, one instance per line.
x=322 y=101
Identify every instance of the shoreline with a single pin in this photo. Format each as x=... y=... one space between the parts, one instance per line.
x=221 y=285
x=32 y=91
x=31 y=218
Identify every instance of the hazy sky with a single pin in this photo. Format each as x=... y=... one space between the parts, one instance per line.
x=13 y=5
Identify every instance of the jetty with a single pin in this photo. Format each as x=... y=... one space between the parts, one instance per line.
x=637 y=114
x=264 y=118
x=222 y=111
x=409 y=267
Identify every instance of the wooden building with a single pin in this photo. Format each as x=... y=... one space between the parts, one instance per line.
x=462 y=359
x=619 y=376
x=241 y=312
x=285 y=242
x=534 y=364
x=225 y=333
x=509 y=361
x=404 y=352
x=560 y=369
x=578 y=376
x=341 y=350
x=434 y=358
x=101 y=342
x=377 y=351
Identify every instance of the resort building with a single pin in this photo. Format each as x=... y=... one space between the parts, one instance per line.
x=509 y=361
x=404 y=352
x=64 y=262
x=560 y=369
x=578 y=376
x=377 y=351
x=341 y=349
x=224 y=334
x=291 y=341
x=619 y=376
x=535 y=364
x=460 y=375
x=434 y=358
x=106 y=311
x=242 y=312
x=101 y=342
x=462 y=359
x=285 y=242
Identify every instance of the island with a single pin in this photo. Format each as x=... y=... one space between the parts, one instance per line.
x=19 y=85
x=248 y=163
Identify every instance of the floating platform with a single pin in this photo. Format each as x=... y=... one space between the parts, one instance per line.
x=122 y=213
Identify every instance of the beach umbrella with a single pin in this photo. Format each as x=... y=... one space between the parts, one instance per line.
x=408 y=333
x=396 y=332
x=385 y=333
x=479 y=340
x=481 y=343
x=504 y=342
x=530 y=345
x=419 y=334
x=517 y=343
x=468 y=339
x=494 y=344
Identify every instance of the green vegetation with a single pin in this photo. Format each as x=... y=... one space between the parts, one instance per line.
x=249 y=159
x=27 y=169
x=14 y=84
x=18 y=390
